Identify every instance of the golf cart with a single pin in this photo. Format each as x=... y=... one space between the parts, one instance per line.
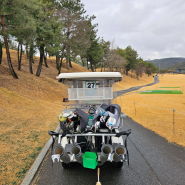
x=90 y=124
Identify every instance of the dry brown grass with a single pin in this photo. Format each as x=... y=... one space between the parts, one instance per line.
x=28 y=109
x=159 y=120
x=128 y=82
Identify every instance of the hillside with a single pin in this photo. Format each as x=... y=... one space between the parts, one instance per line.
x=28 y=109
x=177 y=66
x=167 y=62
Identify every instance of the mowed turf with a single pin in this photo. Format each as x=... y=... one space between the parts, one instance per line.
x=161 y=92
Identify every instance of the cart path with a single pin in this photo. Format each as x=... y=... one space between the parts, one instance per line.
x=139 y=172
x=153 y=161
x=166 y=159
x=135 y=88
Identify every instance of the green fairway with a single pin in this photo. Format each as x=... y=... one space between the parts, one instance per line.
x=169 y=87
x=161 y=92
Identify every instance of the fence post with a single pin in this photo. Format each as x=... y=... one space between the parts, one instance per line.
x=173 y=121
x=120 y=101
x=135 y=108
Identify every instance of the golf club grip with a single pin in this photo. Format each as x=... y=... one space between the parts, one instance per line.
x=98 y=171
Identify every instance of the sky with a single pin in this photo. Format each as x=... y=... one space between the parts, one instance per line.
x=154 y=28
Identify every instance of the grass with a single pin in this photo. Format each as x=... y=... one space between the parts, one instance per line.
x=22 y=172
x=28 y=109
x=161 y=92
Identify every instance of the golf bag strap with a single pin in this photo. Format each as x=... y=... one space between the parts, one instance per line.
x=127 y=149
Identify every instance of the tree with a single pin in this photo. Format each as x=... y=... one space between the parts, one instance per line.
x=114 y=60
x=8 y=9
x=131 y=57
x=15 y=16
x=94 y=53
x=83 y=38
x=76 y=28
x=30 y=52
x=1 y=52
x=25 y=27
x=150 y=67
x=148 y=70
x=106 y=49
x=45 y=59
x=44 y=31
x=54 y=44
x=139 y=70
x=19 y=55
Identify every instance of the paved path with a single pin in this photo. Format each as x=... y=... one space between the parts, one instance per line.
x=165 y=159
x=133 y=89
x=153 y=161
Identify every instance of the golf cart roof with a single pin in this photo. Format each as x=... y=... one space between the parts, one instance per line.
x=83 y=76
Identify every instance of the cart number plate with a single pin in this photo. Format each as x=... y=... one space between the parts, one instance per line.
x=91 y=84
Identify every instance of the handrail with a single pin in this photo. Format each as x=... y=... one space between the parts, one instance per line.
x=83 y=104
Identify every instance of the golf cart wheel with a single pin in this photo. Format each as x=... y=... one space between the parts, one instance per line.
x=66 y=165
x=118 y=164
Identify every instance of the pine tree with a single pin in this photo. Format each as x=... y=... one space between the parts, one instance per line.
x=46 y=35
x=73 y=20
x=15 y=17
x=7 y=10
x=131 y=57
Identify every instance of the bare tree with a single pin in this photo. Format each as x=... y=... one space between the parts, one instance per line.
x=114 y=60
x=148 y=71
x=139 y=70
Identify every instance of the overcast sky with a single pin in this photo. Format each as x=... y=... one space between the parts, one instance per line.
x=156 y=29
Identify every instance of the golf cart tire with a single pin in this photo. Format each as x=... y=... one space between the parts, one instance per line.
x=118 y=164
x=66 y=165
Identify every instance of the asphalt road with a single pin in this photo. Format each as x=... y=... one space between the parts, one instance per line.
x=134 y=88
x=153 y=161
